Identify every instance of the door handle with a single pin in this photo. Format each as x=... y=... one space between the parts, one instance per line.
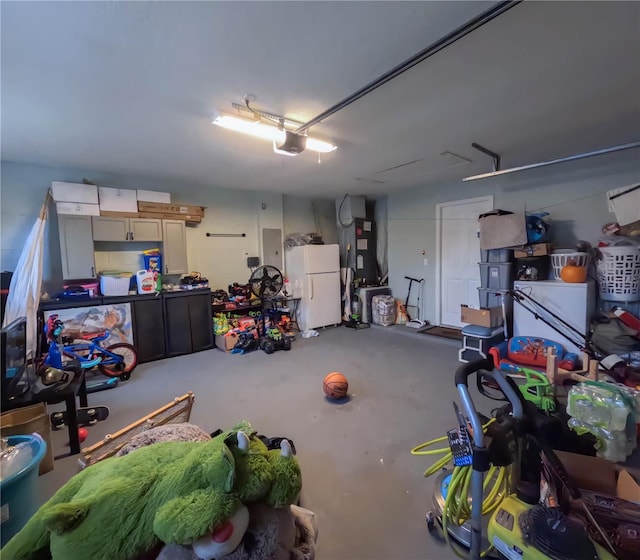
x=310 y=287
x=93 y=274
x=166 y=269
x=126 y=237
x=131 y=234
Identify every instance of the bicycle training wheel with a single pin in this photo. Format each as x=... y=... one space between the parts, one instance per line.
x=121 y=370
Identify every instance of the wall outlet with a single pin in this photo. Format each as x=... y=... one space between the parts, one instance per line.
x=426 y=262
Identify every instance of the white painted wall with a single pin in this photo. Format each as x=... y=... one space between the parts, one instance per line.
x=298 y=214
x=222 y=260
x=573 y=193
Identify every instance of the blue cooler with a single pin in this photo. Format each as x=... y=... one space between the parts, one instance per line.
x=18 y=491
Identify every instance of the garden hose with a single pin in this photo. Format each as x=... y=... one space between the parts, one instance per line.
x=457 y=506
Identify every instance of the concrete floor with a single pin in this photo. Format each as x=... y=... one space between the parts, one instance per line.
x=358 y=475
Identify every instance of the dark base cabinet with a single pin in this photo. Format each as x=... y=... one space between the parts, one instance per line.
x=148 y=328
x=188 y=322
x=169 y=324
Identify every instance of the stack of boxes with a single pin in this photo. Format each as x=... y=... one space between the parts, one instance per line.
x=485 y=326
x=496 y=276
x=75 y=198
x=90 y=200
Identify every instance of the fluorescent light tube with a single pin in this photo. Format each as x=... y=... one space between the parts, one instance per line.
x=260 y=129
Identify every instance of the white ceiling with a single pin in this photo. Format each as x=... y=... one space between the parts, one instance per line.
x=130 y=87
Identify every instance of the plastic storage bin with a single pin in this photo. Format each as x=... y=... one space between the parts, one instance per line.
x=496 y=255
x=19 y=491
x=496 y=276
x=561 y=258
x=114 y=286
x=490 y=298
x=619 y=273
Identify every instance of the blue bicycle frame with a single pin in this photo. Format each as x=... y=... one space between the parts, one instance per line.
x=90 y=353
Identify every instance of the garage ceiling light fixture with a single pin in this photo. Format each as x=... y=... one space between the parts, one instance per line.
x=277 y=134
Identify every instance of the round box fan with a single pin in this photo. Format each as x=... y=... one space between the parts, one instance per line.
x=266 y=282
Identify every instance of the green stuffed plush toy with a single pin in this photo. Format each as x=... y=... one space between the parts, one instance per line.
x=172 y=493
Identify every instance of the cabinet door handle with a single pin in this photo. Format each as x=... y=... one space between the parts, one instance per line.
x=166 y=269
x=93 y=274
x=126 y=237
x=131 y=235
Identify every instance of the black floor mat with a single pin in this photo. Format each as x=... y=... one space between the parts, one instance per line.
x=445 y=332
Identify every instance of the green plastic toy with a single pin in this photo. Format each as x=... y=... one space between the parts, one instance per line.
x=537 y=389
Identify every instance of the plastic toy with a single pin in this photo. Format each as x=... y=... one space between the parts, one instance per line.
x=274 y=340
x=83 y=434
x=530 y=351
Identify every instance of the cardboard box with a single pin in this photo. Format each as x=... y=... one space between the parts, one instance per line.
x=153 y=196
x=117 y=200
x=490 y=317
x=108 y=214
x=172 y=209
x=500 y=231
x=27 y=420
x=226 y=343
x=78 y=208
x=167 y=216
x=74 y=192
x=535 y=250
x=610 y=492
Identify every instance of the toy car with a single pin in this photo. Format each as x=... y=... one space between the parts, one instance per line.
x=274 y=341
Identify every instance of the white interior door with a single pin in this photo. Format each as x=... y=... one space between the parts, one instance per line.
x=458 y=256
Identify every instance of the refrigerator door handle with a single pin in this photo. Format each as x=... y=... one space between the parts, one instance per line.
x=310 y=286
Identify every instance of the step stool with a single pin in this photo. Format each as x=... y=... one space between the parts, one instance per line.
x=477 y=340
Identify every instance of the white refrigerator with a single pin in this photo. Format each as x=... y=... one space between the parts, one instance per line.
x=313 y=272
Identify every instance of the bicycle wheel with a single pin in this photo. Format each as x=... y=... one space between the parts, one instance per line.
x=122 y=370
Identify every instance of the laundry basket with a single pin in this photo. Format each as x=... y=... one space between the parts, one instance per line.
x=562 y=257
x=114 y=285
x=619 y=273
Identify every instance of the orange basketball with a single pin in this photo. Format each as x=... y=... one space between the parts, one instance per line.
x=335 y=385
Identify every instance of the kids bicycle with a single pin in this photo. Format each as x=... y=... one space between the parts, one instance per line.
x=116 y=360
